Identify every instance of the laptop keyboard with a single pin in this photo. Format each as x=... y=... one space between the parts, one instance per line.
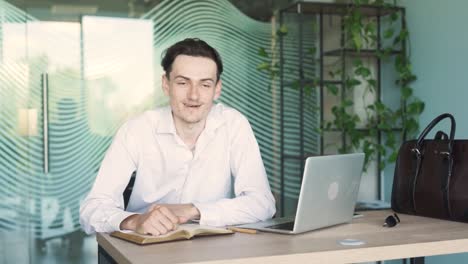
x=284 y=226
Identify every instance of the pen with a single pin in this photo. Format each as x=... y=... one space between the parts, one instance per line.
x=242 y=230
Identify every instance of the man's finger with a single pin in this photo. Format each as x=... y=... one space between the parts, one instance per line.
x=140 y=230
x=154 y=207
x=157 y=225
x=167 y=223
x=147 y=229
x=169 y=214
x=157 y=220
x=183 y=219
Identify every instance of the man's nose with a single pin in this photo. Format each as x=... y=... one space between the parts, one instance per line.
x=193 y=92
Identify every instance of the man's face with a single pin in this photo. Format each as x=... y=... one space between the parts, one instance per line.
x=191 y=87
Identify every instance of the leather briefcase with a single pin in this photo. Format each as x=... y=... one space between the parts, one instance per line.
x=431 y=175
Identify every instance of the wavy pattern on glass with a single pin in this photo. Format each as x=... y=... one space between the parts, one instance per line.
x=38 y=201
x=45 y=203
x=238 y=39
x=14 y=96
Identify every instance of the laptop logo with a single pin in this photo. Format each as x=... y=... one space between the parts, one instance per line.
x=333 y=189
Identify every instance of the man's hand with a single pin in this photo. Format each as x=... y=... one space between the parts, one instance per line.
x=160 y=218
x=184 y=212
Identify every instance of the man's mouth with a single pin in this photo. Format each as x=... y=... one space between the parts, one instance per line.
x=192 y=105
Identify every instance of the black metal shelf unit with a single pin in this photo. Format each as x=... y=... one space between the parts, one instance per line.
x=296 y=17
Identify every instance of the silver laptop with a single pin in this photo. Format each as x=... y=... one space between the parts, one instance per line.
x=328 y=195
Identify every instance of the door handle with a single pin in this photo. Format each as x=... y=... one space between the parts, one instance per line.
x=45 y=119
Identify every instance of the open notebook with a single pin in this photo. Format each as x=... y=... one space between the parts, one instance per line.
x=185 y=231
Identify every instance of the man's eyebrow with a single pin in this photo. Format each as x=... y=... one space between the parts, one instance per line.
x=188 y=79
x=207 y=79
x=181 y=76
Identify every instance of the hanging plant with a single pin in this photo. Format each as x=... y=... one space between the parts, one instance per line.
x=380 y=119
x=361 y=32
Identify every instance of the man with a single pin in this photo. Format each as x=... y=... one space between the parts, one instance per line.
x=189 y=157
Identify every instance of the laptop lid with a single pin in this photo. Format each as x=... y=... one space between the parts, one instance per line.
x=329 y=190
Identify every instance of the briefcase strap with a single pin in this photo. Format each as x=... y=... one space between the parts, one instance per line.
x=431 y=125
x=417 y=167
x=418 y=152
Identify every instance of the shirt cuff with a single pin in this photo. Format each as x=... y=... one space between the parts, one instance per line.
x=116 y=220
x=209 y=214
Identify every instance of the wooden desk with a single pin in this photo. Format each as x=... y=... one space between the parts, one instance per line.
x=413 y=237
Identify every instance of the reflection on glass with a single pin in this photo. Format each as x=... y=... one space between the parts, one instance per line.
x=118 y=59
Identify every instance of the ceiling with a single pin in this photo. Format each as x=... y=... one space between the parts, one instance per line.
x=67 y=10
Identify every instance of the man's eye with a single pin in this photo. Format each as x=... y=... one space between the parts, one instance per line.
x=181 y=83
x=206 y=85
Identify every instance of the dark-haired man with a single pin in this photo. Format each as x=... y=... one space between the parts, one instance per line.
x=194 y=159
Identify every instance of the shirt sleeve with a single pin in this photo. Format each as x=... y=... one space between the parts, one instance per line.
x=103 y=208
x=253 y=199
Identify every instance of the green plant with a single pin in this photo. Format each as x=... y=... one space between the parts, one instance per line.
x=360 y=34
x=361 y=31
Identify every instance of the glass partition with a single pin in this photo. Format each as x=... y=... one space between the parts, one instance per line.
x=18 y=128
x=72 y=73
x=65 y=87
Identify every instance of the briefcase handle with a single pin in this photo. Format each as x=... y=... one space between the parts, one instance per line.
x=432 y=125
x=417 y=150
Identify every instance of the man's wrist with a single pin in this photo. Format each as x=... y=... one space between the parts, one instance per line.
x=129 y=223
x=194 y=212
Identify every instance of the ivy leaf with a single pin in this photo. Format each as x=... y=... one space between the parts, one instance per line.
x=390 y=142
x=393 y=157
x=370 y=28
x=411 y=125
x=389 y=33
x=282 y=31
x=382 y=164
x=262 y=52
x=332 y=74
x=273 y=74
x=352 y=82
x=333 y=89
x=295 y=85
x=263 y=66
x=401 y=37
x=357 y=62
x=357 y=41
x=415 y=108
x=384 y=126
x=347 y=103
x=379 y=107
x=362 y=71
x=406 y=92
x=372 y=82
x=312 y=50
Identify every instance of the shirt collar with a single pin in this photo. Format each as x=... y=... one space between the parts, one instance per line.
x=213 y=120
x=166 y=122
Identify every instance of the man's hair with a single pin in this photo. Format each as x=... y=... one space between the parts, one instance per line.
x=191 y=47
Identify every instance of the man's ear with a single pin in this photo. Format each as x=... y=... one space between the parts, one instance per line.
x=165 y=84
x=218 y=89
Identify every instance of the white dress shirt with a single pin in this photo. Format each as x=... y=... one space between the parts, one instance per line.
x=226 y=163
